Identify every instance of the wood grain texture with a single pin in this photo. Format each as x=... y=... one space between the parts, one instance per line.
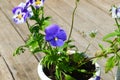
x=90 y=15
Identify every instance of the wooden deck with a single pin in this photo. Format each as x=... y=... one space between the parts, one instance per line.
x=91 y=15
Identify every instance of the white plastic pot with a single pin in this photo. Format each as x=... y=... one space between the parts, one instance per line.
x=44 y=77
x=117 y=77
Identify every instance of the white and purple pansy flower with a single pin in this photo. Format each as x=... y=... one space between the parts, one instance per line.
x=115 y=12
x=55 y=35
x=37 y=3
x=21 y=13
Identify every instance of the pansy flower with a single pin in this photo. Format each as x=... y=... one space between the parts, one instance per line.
x=36 y=3
x=115 y=12
x=55 y=35
x=21 y=13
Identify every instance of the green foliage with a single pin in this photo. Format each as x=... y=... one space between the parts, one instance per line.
x=58 y=73
x=93 y=34
x=113 y=34
x=68 y=77
x=110 y=64
x=19 y=50
x=101 y=46
x=78 y=57
x=113 y=39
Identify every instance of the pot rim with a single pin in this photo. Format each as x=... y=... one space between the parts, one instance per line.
x=43 y=76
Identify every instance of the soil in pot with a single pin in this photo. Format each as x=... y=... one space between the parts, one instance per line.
x=89 y=67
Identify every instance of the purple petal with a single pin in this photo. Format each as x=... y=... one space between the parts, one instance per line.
x=31 y=1
x=25 y=17
x=97 y=78
x=62 y=35
x=52 y=30
x=42 y=1
x=17 y=9
x=57 y=43
x=27 y=4
x=117 y=10
x=49 y=38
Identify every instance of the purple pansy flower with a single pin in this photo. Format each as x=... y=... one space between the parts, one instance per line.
x=97 y=78
x=36 y=3
x=21 y=13
x=115 y=12
x=54 y=35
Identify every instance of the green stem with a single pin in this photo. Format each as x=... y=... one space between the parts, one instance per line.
x=117 y=24
x=88 y=46
x=73 y=15
x=28 y=25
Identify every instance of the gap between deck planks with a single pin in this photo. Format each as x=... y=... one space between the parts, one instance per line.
x=84 y=20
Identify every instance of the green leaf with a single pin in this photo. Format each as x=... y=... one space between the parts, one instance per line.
x=19 y=50
x=101 y=46
x=82 y=70
x=110 y=64
x=68 y=77
x=47 y=18
x=34 y=29
x=78 y=57
x=32 y=44
x=45 y=24
x=113 y=34
x=58 y=74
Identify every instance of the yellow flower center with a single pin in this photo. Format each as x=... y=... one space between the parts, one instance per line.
x=19 y=16
x=38 y=2
x=56 y=39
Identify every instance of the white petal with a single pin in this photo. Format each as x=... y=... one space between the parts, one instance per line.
x=30 y=11
x=118 y=15
x=22 y=5
x=18 y=21
x=114 y=12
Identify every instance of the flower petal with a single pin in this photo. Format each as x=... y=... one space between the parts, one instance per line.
x=118 y=12
x=97 y=78
x=38 y=5
x=49 y=38
x=62 y=35
x=22 y=5
x=52 y=30
x=114 y=12
x=57 y=43
x=17 y=20
x=17 y=10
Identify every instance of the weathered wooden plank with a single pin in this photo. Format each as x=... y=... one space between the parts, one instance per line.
x=23 y=67
x=104 y=5
x=4 y=71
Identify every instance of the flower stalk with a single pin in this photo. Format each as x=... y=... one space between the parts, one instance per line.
x=117 y=24
x=73 y=16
